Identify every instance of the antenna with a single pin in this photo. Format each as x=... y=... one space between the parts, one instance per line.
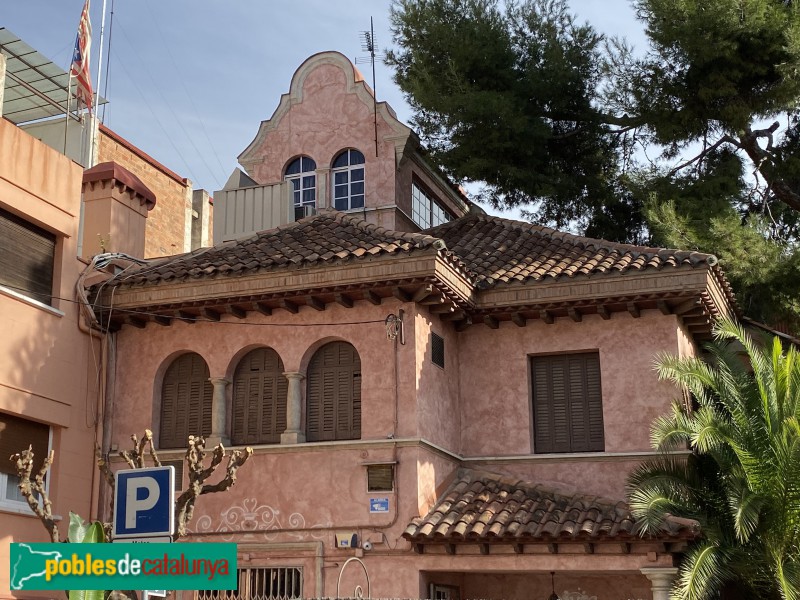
x=368 y=45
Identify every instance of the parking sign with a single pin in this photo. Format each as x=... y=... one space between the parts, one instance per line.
x=144 y=502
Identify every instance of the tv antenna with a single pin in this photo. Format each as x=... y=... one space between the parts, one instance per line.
x=368 y=45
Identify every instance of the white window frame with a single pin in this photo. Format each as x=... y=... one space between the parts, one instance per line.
x=21 y=506
x=348 y=171
x=426 y=211
x=308 y=207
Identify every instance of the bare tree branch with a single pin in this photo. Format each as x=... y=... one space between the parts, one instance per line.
x=135 y=457
x=706 y=151
x=33 y=490
x=198 y=474
x=748 y=141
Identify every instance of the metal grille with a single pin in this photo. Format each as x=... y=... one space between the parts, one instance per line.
x=261 y=583
x=437 y=350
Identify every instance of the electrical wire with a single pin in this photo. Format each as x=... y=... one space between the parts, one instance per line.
x=134 y=312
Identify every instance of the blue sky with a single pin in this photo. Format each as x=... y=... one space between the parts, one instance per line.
x=191 y=80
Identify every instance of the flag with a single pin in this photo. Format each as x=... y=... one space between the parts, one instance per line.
x=80 y=60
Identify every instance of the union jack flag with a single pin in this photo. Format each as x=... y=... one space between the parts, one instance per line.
x=80 y=60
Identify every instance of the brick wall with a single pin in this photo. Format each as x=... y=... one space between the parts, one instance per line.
x=169 y=225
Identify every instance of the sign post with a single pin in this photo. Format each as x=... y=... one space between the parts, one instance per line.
x=144 y=508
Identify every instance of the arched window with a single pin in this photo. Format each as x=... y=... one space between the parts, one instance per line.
x=259 y=399
x=185 y=401
x=348 y=180
x=301 y=175
x=333 y=394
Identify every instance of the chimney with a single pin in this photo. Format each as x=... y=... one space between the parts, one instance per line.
x=201 y=219
x=115 y=207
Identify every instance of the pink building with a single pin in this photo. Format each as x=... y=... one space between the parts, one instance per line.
x=457 y=407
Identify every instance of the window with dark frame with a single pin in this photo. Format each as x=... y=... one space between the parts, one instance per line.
x=258 y=413
x=567 y=403
x=380 y=478
x=185 y=401
x=333 y=394
x=437 y=350
x=27 y=256
x=16 y=435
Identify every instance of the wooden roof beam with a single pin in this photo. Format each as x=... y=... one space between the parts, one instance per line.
x=316 y=303
x=401 y=294
x=603 y=311
x=210 y=314
x=456 y=315
x=463 y=324
x=574 y=314
x=519 y=319
x=491 y=322
x=546 y=316
x=289 y=306
x=186 y=317
x=687 y=306
x=344 y=300
x=163 y=320
x=440 y=309
x=135 y=321
x=237 y=311
x=663 y=307
x=372 y=297
x=262 y=308
x=422 y=293
x=634 y=310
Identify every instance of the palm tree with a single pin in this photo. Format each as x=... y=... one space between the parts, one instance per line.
x=741 y=481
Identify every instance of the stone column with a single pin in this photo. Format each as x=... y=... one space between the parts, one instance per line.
x=218 y=413
x=294 y=409
x=323 y=188
x=661 y=580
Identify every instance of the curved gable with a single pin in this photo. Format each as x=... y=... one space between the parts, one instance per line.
x=354 y=84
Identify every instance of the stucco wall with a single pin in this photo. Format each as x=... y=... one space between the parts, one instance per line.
x=47 y=367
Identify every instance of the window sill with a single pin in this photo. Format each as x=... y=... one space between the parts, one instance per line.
x=30 y=301
x=20 y=508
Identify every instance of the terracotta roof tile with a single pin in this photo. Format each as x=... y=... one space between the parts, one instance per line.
x=502 y=250
x=482 y=506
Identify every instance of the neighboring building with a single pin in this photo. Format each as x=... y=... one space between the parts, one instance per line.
x=463 y=404
x=330 y=145
x=35 y=100
x=48 y=364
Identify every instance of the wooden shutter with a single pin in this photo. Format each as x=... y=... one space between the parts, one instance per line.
x=27 y=253
x=259 y=399
x=16 y=435
x=567 y=403
x=185 y=401
x=333 y=394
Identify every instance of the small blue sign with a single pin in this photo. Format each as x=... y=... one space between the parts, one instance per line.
x=379 y=505
x=143 y=502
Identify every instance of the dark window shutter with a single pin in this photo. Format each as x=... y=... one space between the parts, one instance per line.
x=27 y=253
x=333 y=394
x=185 y=401
x=567 y=403
x=16 y=435
x=259 y=398
x=380 y=478
x=437 y=350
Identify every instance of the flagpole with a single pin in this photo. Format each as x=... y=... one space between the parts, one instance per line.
x=66 y=114
x=95 y=145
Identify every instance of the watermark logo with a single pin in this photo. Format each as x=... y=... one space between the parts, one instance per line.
x=123 y=566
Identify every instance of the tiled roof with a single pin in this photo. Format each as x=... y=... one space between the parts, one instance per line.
x=502 y=250
x=485 y=507
x=328 y=236
x=489 y=249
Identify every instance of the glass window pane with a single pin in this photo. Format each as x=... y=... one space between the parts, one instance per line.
x=341 y=160
x=340 y=177
x=356 y=158
x=357 y=202
x=340 y=204
x=308 y=164
x=357 y=187
x=340 y=191
x=357 y=174
x=308 y=181
x=294 y=167
x=308 y=196
x=296 y=197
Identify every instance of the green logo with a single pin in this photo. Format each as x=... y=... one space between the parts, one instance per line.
x=123 y=566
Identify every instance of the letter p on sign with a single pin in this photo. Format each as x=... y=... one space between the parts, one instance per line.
x=143 y=502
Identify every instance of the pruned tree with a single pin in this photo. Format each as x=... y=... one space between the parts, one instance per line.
x=32 y=485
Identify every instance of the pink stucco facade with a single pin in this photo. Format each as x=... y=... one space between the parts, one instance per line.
x=48 y=369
